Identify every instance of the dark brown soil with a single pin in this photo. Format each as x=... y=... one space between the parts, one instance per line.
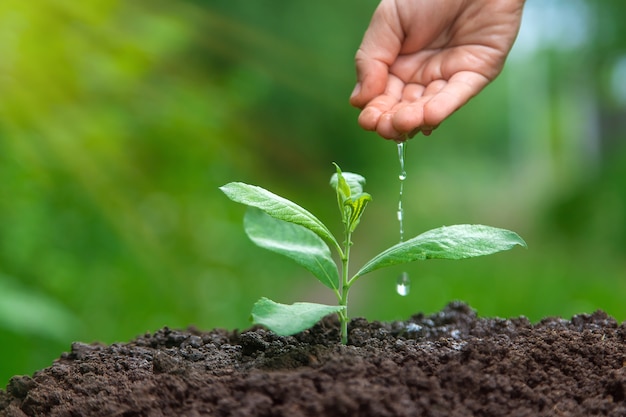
x=448 y=364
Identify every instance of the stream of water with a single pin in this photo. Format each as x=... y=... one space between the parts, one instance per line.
x=403 y=283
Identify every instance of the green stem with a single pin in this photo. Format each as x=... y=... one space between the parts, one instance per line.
x=345 y=287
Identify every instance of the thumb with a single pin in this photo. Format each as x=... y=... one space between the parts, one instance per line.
x=371 y=77
x=379 y=49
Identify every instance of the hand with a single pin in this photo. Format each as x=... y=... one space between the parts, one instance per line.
x=420 y=60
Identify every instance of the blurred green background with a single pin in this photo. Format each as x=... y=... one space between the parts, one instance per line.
x=120 y=120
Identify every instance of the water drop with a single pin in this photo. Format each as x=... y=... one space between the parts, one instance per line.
x=403 y=284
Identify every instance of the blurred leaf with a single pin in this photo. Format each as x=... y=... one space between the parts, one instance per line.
x=28 y=312
x=285 y=320
x=295 y=242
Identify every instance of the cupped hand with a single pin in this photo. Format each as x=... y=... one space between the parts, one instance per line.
x=420 y=60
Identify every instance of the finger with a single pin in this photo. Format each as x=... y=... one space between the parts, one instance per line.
x=369 y=117
x=379 y=49
x=412 y=92
x=434 y=87
x=372 y=79
x=459 y=90
x=384 y=103
x=409 y=113
x=385 y=127
x=409 y=116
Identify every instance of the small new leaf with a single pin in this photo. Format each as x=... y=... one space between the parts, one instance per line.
x=355 y=208
x=354 y=182
x=339 y=183
x=285 y=319
x=293 y=241
x=350 y=196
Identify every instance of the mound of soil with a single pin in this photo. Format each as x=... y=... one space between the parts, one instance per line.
x=447 y=364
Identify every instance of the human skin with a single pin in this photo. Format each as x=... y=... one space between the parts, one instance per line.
x=421 y=60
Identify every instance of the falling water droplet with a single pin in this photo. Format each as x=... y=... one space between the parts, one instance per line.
x=403 y=284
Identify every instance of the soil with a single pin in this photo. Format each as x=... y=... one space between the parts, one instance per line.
x=451 y=363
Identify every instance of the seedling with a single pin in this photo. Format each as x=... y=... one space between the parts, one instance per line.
x=279 y=225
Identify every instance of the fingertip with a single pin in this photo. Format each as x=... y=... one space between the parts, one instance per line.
x=368 y=118
x=408 y=118
x=385 y=127
x=459 y=90
x=435 y=113
x=356 y=97
x=413 y=132
x=372 y=77
x=355 y=93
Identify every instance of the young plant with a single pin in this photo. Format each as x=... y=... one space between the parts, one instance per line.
x=279 y=225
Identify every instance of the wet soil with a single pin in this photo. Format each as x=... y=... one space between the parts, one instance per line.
x=451 y=363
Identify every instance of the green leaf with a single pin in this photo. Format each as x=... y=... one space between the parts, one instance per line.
x=356 y=208
x=352 y=200
x=338 y=182
x=277 y=207
x=451 y=242
x=353 y=182
x=293 y=241
x=285 y=320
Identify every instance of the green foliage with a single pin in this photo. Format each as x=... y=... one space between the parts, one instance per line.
x=277 y=207
x=294 y=241
x=449 y=242
x=292 y=231
x=350 y=197
x=286 y=320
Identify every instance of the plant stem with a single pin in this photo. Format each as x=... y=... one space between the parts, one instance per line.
x=343 y=301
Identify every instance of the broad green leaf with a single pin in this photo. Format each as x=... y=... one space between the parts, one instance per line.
x=277 y=207
x=285 y=320
x=451 y=242
x=293 y=241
